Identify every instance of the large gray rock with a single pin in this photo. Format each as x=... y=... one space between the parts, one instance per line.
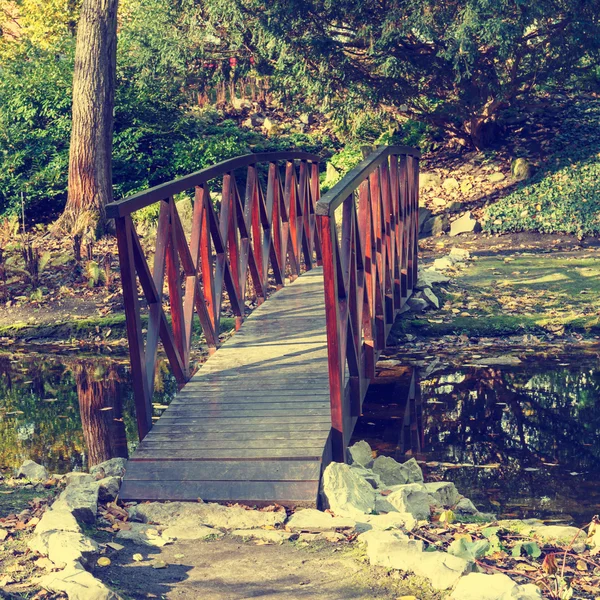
x=389 y=521
x=412 y=498
x=213 y=515
x=346 y=493
x=32 y=471
x=466 y=507
x=444 y=492
x=81 y=500
x=442 y=569
x=115 y=467
x=78 y=584
x=108 y=488
x=465 y=224
x=435 y=225
x=367 y=474
x=431 y=298
x=361 y=453
x=477 y=586
x=429 y=277
x=316 y=521
x=79 y=478
x=392 y=472
x=417 y=304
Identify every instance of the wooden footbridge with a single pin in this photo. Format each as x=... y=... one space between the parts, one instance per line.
x=276 y=402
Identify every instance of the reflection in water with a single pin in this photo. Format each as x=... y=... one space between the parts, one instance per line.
x=69 y=413
x=521 y=441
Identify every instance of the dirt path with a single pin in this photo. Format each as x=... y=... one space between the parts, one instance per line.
x=229 y=569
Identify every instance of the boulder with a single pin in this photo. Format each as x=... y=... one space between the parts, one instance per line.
x=79 y=478
x=528 y=591
x=345 y=492
x=108 y=488
x=417 y=304
x=361 y=453
x=424 y=215
x=316 y=521
x=392 y=472
x=429 y=277
x=382 y=505
x=521 y=169
x=66 y=547
x=465 y=224
x=429 y=180
x=450 y=184
x=368 y=475
x=435 y=225
x=52 y=521
x=431 y=297
x=466 y=507
x=391 y=520
x=141 y=533
x=190 y=530
x=444 y=492
x=265 y=535
x=441 y=569
x=412 y=498
x=477 y=586
x=77 y=584
x=115 y=467
x=213 y=515
x=32 y=471
x=81 y=500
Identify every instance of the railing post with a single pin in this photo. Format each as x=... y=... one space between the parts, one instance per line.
x=143 y=402
x=335 y=359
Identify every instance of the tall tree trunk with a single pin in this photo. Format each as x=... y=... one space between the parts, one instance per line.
x=90 y=169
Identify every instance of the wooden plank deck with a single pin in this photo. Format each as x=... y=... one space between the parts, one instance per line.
x=253 y=425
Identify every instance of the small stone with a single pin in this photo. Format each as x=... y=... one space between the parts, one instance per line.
x=137 y=557
x=346 y=493
x=459 y=254
x=477 y=586
x=412 y=498
x=115 y=467
x=316 y=521
x=439 y=201
x=465 y=224
x=361 y=454
x=521 y=169
x=444 y=492
x=497 y=177
x=444 y=263
x=32 y=471
x=140 y=533
x=450 y=184
x=159 y=564
x=77 y=583
x=266 y=535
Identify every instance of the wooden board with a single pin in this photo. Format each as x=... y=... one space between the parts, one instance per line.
x=253 y=424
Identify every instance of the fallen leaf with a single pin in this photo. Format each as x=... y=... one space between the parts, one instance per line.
x=138 y=557
x=103 y=561
x=159 y=564
x=582 y=565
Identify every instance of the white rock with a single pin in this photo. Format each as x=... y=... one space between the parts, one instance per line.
x=528 y=591
x=560 y=534
x=66 y=547
x=414 y=499
x=265 y=535
x=190 y=530
x=81 y=500
x=78 y=584
x=442 y=569
x=428 y=277
x=465 y=224
x=32 y=471
x=450 y=184
x=367 y=474
x=431 y=297
x=361 y=454
x=392 y=472
x=315 y=521
x=444 y=263
x=213 y=515
x=52 y=521
x=477 y=586
x=392 y=520
x=460 y=254
x=115 y=467
x=141 y=533
x=346 y=493
x=444 y=492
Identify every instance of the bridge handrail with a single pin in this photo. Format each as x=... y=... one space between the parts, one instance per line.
x=261 y=236
x=369 y=239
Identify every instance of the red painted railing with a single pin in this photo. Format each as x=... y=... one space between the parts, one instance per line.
x=369 y=236
x=263 y=236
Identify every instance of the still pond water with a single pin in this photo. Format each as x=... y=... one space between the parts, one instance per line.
x=518 y=440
